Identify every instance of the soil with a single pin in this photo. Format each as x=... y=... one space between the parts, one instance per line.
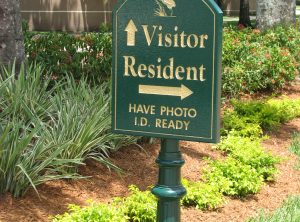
x=140 y=169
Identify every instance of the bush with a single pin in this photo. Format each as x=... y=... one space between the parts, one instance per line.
x=250 y=152
x=254 y=61
x=47 y=133
x=94 y=212
x=202 y=195
x=86 y=55
x=264 y=114
x=232 y=177
x=139 y=206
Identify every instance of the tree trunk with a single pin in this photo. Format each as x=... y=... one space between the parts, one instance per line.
x=11 y=38
x=244 y=18
x=273 y=12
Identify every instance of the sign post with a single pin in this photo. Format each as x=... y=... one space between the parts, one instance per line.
x=169 y=189
x=166 y=81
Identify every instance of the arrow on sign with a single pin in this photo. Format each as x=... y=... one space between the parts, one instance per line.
x=131 y=30
x=182 y=91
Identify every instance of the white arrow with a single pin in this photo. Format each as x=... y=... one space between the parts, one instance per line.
x=182 y=91
x=131 y=30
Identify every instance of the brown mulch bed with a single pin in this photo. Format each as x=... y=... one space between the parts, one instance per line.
x=140 y=169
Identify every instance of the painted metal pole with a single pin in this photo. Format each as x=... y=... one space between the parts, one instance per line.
x=169 y=189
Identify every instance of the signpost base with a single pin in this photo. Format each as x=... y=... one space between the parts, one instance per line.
x=169 y=189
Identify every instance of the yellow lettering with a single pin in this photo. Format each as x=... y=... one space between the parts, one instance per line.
x=202 y=38
x=195 y=41
x=147 y=35
x=127 y=66
x=188 y=74
x=141 y=68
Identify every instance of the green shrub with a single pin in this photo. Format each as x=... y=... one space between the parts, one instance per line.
x=254 y=61
x=139 y=206
x=26 y=158
x=238 y=125
x=86 y=55
x=232 y=177
x=202 y=195
x=288 y=212
x=265 y=114
x=93 y=213
x=47 y=133
x=250 y=152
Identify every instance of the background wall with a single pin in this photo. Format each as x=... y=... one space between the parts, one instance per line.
x=232 y=7
x=84 y=15
x=66 y=15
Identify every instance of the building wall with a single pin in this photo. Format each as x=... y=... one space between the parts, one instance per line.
x=232 y=7
x=66 y=15
x=83 y=15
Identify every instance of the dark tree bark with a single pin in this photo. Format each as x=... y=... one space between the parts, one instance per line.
x=11 y=38
x=244 y=18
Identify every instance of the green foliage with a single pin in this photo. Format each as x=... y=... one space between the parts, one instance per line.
x=105 y=27
x=46 y=133
x=86 y=55
x=93 y=213
x=290 y=211
x=265 y=114
x=233 y=177
x=202 y=195
x=250 y=152
x=240 y=126
x=252 y=61
x=255 y=61
x=295 y=146
x=139 y=206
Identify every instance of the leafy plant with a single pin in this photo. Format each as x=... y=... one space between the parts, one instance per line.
x=256 y=61
x=24 y=162
x=295 y=146
x=139 y=206
x=202 y=195
x=264 y=114
x=92 y=213
x=47 y=132
x=250 y=152
x=232 y=177
x=87 y=55
x=288 y=212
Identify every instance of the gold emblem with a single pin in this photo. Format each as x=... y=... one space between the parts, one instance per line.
x=164 y=8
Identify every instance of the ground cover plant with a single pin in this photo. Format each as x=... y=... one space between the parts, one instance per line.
x=290 y=211
x=245 y=169
x=295 y=146
x=46 y=132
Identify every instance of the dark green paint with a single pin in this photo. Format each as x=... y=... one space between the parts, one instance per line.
x=169 y=189
x=197 y=17
x=192 y=17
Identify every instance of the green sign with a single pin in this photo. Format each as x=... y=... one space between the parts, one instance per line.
x=167 y=69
